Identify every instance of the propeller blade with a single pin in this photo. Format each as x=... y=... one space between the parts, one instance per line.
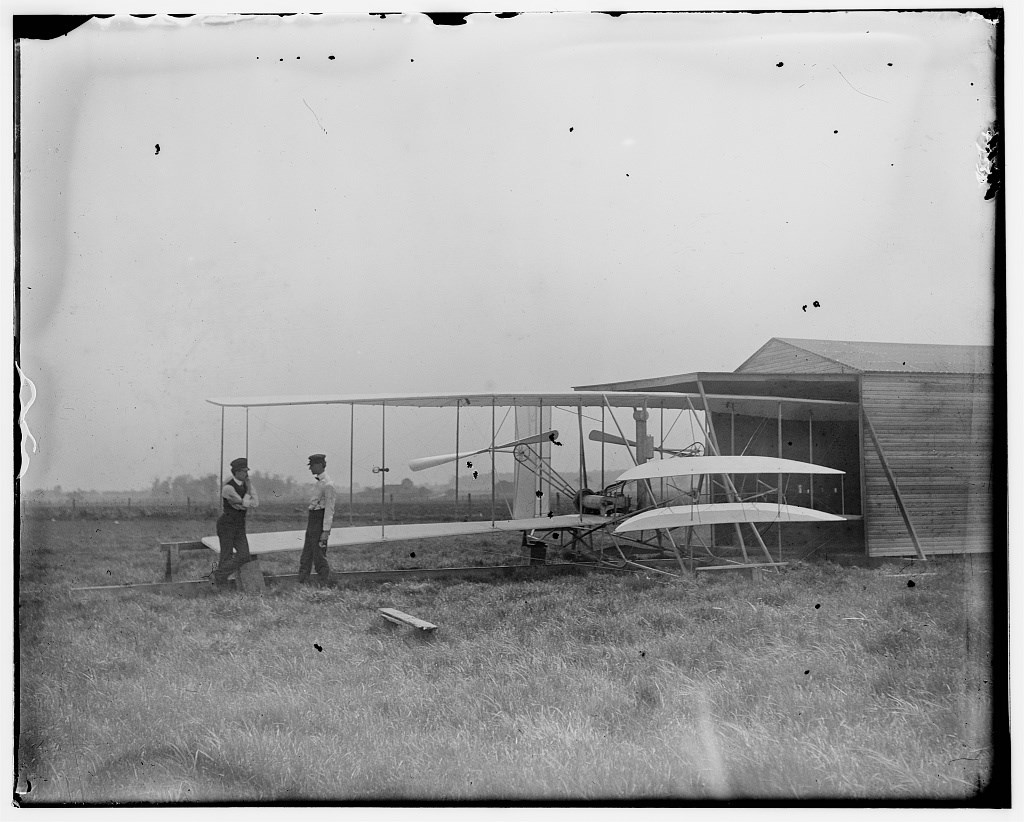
x=611 y=439
x=431 y=462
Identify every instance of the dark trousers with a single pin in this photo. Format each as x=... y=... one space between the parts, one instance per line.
x=234 y=549
x=313 y=556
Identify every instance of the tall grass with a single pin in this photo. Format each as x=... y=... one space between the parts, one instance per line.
x=822 y=682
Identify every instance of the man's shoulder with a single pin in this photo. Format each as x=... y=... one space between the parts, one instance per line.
x=326 y=479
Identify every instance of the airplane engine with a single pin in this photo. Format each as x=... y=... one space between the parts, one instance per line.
x=603 y=504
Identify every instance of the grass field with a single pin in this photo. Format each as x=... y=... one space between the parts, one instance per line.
x=823 y=682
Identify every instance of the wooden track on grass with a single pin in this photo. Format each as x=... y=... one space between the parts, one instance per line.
x=344 y=577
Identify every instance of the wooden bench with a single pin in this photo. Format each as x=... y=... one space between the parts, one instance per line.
x=756 y=568
x=173 y=555
x=401 y=618
x=249 y=577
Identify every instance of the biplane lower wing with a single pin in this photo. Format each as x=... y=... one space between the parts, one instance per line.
x=272 y=541
x=717 y=513
x=694 y=466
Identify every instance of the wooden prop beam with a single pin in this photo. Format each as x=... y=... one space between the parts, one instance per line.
x=891 y=477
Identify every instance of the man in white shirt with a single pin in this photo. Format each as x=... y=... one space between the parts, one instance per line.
x=318 y=525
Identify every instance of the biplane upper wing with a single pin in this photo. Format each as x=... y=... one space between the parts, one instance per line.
x=694 y=466
x=272 y=541
x=681 y=516
x=794 y=407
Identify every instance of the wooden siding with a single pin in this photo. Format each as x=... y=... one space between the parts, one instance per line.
x=936 y=433
x=777 y=357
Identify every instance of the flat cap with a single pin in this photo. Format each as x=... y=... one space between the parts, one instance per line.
x=239 y=464
x=318 y=458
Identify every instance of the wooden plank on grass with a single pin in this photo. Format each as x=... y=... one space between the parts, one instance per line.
x=183 y=587
x=470 y=572
x=743 y=566
x=402 y=618
x=342 y=577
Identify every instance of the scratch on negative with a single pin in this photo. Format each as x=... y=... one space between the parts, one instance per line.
x=314 y=116
x=851 y=85
x=26 y=434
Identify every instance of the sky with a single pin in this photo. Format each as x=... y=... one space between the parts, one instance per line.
x=236 y=206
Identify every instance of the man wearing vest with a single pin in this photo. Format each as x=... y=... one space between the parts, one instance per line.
x=318 y=525
x=237 y=497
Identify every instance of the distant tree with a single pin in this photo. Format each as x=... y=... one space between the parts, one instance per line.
x=270 y=486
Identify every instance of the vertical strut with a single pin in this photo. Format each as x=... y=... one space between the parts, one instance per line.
x=351 y=456
x=494 y=435
x=602 y=448
x=220 y=467
x=661 y=454
x=778 y=492
x=383 y=467
x=458 y=409
x=810 y=447
x=583 y=453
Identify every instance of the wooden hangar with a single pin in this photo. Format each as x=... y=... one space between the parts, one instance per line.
x=911 y=425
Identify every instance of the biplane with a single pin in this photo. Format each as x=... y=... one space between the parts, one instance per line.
x=638 y=514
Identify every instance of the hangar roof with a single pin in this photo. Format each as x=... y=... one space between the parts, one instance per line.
x=841 y=387
x=868 y=357
x=854 y=358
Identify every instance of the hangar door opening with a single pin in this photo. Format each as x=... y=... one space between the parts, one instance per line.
x=829 y=442
x=833 y=443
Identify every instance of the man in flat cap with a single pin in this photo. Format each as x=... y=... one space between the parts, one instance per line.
x=318 y=525
x=237 y=497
